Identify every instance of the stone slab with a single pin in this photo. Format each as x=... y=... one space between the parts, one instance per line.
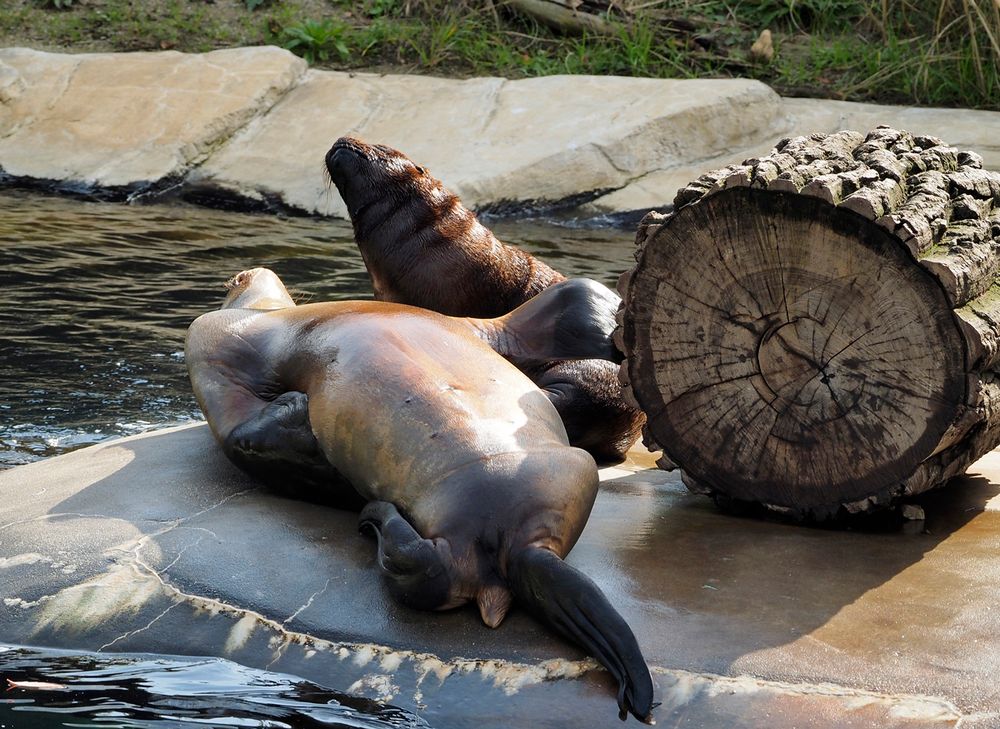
x=156 y=544
x=978 y=131
x=254 y=123
x=491 y=140
x=119 y=120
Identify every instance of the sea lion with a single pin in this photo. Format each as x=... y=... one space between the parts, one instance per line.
x=422 y=247
x=470 y=484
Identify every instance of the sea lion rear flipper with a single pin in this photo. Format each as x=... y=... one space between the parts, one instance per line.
x=571 y=603
x=416 y=568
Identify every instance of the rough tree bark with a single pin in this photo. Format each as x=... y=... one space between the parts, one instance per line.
x=568 y=16
x=601 y=17
x=817 y=330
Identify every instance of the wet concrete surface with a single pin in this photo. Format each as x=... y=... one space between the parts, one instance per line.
x=156 y=544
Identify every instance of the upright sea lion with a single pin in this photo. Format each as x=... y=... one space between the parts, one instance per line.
x=471 y=486
x=422 y=247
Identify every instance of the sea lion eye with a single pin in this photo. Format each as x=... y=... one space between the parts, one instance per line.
x=420 y=170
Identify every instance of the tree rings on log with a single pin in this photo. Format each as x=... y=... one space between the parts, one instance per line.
x=786 y=343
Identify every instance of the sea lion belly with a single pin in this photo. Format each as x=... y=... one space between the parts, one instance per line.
x=405 y=399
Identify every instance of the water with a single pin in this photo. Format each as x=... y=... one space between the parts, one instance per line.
x=95 y=299
x=160 y=692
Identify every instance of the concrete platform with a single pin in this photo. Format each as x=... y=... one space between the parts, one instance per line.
x=155 y=543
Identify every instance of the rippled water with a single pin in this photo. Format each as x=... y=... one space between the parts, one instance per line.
x=95 y=299
x=160 y=692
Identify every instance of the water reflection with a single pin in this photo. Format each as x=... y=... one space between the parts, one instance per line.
x=95 y=299
x=157 y=692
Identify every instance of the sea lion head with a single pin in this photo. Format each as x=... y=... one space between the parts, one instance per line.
x=375 y=178
x=256 y=288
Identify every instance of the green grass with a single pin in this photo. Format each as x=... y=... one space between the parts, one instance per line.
x=316 y=40
x=933 y=52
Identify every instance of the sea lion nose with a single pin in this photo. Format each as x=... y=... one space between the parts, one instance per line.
x=337 y=157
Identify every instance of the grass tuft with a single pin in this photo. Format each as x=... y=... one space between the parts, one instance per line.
x=934 y=52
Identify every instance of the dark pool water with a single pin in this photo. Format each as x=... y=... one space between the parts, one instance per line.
x=161 y=692
x=95 y=299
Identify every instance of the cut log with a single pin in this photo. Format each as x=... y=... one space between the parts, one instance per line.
x=816 y=330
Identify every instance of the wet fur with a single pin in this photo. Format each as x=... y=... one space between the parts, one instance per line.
x=421 y=245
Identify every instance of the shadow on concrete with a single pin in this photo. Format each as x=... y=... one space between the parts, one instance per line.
x=886 y=610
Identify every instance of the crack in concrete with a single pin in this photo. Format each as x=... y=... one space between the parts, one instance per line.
x=307 y=603
x=280 y=650
x=181 y=552
x=65 y=86
x=52 y=515
x=130 y=633
x=137 y=546
x=507 y=676
x=717 y=159
x=229 y=126
x=611 y=161
x=511 y=676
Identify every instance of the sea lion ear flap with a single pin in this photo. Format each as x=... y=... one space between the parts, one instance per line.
x=494 y=602
x=416 y=568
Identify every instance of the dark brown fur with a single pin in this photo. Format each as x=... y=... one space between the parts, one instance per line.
x=422 y=247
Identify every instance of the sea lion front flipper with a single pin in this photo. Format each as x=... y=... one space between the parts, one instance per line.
x=573 y=319
x=570 y=602
x=280 y=430
x=278 y=445
x=561 y=339
x=416 y=568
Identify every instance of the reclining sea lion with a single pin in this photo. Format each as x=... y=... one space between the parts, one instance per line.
x=422 y=247
x=469 y=481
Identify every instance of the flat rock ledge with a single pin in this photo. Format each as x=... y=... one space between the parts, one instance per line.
x=248 y=127
x=155 y=543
